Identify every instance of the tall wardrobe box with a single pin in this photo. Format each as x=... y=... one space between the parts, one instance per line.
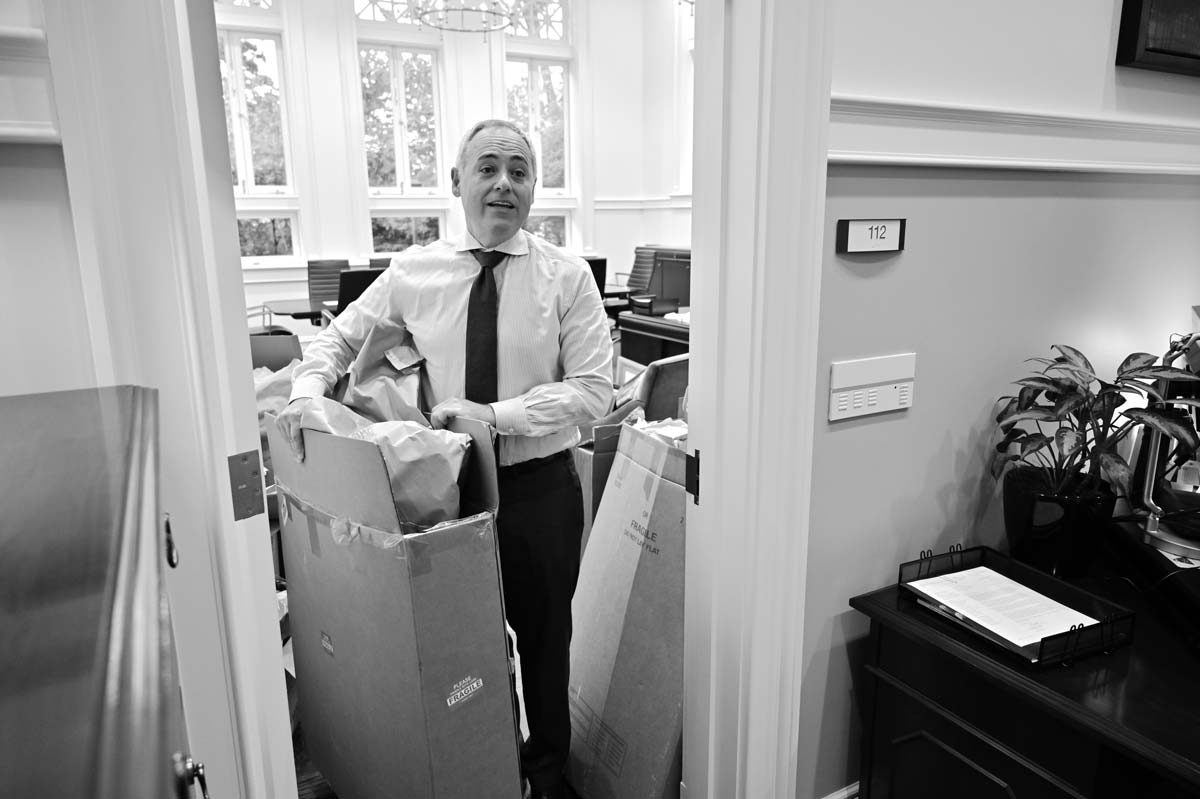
x=401 y=654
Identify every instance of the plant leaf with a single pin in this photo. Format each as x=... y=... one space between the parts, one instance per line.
x=1042 y=383
x=1068 y=441
x=1075 y=357
x=1160 y=373
x=1010 y=407
x=1034 y=442
x=1011 y=435
x=1184 y=434
x=1068 y=404
x=1040 y=413
x=1026 y=397
x=1137 y=360
x=1116 y=472
x=1076 y=374
x=999 y=461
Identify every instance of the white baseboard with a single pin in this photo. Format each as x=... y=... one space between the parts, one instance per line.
x=849 y=792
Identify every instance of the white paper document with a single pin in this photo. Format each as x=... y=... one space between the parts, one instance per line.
x=1003 y=606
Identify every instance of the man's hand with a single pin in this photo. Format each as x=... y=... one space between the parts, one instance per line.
x=288 y=423
x=441 y=415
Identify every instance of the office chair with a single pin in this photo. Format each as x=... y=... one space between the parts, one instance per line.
x=323 y=278
x=381 y=262
x=351 y=284
x=638 y=278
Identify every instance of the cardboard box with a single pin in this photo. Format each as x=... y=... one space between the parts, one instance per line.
x=401 y=656
x=626 y=688
x=659 y=391
x=593 y=461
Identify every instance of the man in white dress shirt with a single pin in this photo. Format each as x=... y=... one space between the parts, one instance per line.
x=513 y=332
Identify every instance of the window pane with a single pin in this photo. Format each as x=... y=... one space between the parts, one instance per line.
x=538 y=19
x=385 y=10
x=551 y=124
x=227 y=92
x=421 y=127
x=260 y=82
x=245 y=3
x=265 y=236
x=516 y=82
x=551 y=228
x=379 y=131
x=396 y=233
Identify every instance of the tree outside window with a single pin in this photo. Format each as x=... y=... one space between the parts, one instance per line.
x=536 y=93
x=400 y=137
x=397 y=233
x=252 y=83
x=265 y=236
x=551 y=228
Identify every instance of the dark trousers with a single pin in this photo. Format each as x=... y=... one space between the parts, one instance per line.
x=540 y=525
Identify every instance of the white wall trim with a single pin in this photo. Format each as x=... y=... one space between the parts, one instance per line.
x=20 y=42
x=674 y=201
x=762 y=101
x=849 y=792
x=26 y=93
x=29 y=133
x=874 y=130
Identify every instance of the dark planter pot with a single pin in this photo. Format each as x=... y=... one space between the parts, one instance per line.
x=1058 y=534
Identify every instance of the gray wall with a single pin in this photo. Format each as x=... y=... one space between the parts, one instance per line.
x=997 y=267
x=44 y=342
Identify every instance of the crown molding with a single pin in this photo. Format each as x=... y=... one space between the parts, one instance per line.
x=872 y=130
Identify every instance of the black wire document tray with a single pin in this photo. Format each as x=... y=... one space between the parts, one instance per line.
x=1010 y=603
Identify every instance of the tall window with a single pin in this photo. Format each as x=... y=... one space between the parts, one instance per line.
x=251 y=75
x=400 y=126
x=536 y=92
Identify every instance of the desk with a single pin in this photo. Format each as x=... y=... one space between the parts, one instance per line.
x=650 y=338
x=945 y=714
x=300 y=309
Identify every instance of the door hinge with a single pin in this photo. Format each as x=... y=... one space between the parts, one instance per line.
x=691 y=476
x=245 y=484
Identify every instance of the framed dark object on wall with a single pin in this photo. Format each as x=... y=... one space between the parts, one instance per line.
x=1163 y=35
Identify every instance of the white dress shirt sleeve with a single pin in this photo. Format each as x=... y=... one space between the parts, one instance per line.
x=585 y=392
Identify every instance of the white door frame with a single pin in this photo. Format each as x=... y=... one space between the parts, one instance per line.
x=147 y=170
x=138 y=99
x=760 y=142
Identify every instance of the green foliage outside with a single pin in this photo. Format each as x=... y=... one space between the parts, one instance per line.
x=264 y=116
x=265 y=236
x=396 y=233
x=551 y=228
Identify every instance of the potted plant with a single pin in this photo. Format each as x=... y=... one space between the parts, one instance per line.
x=1060 y=452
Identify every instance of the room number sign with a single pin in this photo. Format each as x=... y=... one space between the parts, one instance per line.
x=870 y=235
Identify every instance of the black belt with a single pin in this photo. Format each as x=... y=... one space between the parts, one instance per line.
x=535 y=463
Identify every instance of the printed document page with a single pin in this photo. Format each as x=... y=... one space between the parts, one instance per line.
x=1013 y=611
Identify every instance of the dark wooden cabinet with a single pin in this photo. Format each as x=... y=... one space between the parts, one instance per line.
x=645 y=339
x=947 y=714
x=89 y=688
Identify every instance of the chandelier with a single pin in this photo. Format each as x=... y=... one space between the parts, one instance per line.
x=480 y=16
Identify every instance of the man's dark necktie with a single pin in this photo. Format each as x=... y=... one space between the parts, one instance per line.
x=483 y=308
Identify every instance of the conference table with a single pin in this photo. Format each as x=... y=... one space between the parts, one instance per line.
x=301 y=308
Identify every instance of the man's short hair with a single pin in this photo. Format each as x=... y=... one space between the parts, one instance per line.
x=460 y=161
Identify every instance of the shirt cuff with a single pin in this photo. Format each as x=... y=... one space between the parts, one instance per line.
x=510 y=416
x=311 y=387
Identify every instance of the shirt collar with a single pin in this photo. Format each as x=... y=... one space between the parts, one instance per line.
x=517 y=245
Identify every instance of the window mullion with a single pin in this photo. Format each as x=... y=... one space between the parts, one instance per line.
x=535 y=111
x=400 y=121
x=241 y=123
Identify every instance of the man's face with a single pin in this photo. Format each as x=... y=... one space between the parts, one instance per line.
x=495 y=184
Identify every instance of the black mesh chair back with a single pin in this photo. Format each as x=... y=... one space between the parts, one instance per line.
x=352 y=283
x=323 y=279
x=643 y=269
